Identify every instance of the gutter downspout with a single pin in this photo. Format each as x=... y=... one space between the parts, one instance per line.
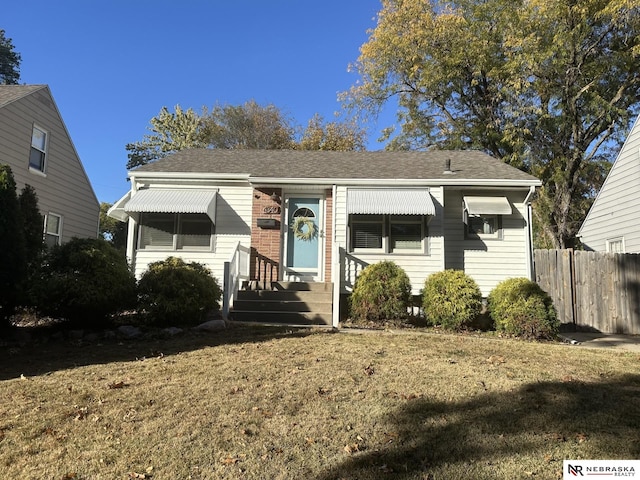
x=530 y=263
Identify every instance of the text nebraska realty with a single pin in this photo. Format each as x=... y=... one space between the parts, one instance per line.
x=620 y=471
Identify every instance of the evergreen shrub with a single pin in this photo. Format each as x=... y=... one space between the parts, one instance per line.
x=451 y=299
x=173 y=292
x=84 y=281
x=382 y=292
x=521 y=308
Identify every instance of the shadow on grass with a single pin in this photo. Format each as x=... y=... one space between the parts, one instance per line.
x=43 y=356
x=599 y=419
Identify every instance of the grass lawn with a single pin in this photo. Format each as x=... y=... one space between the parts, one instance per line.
x=271 y=403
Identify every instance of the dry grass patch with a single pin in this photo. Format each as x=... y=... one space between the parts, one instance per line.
x=280 y=404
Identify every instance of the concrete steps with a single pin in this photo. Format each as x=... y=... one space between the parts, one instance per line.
x=299 y=303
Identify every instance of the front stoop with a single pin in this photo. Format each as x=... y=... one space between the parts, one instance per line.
x=296 y=303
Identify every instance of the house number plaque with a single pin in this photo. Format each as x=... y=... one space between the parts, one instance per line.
x=271 y=209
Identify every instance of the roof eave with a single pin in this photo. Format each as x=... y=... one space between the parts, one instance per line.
x=398 y=181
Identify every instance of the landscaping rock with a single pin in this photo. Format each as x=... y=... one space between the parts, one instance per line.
x=172 y=331
x=129 y=331
x=212 y=326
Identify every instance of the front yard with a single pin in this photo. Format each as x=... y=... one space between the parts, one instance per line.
x=275 y=403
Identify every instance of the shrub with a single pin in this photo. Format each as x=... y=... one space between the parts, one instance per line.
x=173 y=292
x=520 y=307
x=12 y=246
x=382 y=292
x=451 y=299
x=84 y=281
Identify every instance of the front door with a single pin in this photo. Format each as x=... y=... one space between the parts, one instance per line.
x=304 y=239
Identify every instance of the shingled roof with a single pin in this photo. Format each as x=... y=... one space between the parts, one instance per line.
x=378 y=165
x=11 y=93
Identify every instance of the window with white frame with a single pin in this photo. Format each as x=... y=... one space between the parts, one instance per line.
x=38 y=155
x=387 y=233
x=52 y=229
x=615 y=245
x=175 y=231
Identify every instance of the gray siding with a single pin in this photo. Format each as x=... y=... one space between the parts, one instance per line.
x=614 y=213
x=64 y=189
x=487 y=261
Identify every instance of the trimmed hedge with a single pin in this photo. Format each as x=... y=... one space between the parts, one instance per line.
x=172 y=292
x=451 y=299
x=521 y=308
x=382 y=292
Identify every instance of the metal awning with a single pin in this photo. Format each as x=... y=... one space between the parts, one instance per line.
x=117 y=209
x=392 y=201
x=487 y=205
x=173 y=201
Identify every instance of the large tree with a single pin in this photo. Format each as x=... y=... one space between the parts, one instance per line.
x=337 y=136
x=249 y=126
x=170 y=132
x=246 y=126
x=545 y=85
x=9 y=61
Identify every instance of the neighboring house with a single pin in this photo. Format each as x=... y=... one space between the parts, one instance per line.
x=320 y=217
x=612 y=222
x=35 y=143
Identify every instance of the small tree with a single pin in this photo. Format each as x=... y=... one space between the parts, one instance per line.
x=12 y=246
x=112 y=230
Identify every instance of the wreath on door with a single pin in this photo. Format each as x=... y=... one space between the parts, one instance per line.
x=304 y=228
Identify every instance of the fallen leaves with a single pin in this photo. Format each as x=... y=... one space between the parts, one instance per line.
x=369 y=370
x=351 y=448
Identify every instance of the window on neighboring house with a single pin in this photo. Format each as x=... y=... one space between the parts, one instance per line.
x=615 y=245
x=175 y=231
x=38 y=155
x=52 y=229
x=387 y=233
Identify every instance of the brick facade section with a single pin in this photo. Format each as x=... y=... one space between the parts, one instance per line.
x=328 y=235
x=265 y=242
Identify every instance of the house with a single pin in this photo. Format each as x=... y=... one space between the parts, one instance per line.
x=316 y=218
x=35 y=143
x=611 y=224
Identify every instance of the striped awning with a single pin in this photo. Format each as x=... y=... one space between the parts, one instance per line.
x=117 y=209
x=173 y=201
x=487 y=205
x=391 y=201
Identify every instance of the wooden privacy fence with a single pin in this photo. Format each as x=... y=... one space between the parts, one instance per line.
x=592 y=290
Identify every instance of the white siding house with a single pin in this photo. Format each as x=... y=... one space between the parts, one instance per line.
x=612 y=222
x=321 y=217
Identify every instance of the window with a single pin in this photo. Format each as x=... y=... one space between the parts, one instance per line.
x=52 y=229
x=615 y=245
x=387 y=233
x=483 y=226
x=37 y=157
x=173 y=231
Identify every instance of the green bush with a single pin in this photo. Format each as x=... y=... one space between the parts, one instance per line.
x=84 y=281
x=520 y=307
x=382 y=292
x=451 y=299
x=13 y=268
x=172 y=292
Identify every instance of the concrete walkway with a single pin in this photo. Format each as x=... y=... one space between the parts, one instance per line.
x=629 y=343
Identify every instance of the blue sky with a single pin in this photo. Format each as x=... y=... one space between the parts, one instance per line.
x=113 y=64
